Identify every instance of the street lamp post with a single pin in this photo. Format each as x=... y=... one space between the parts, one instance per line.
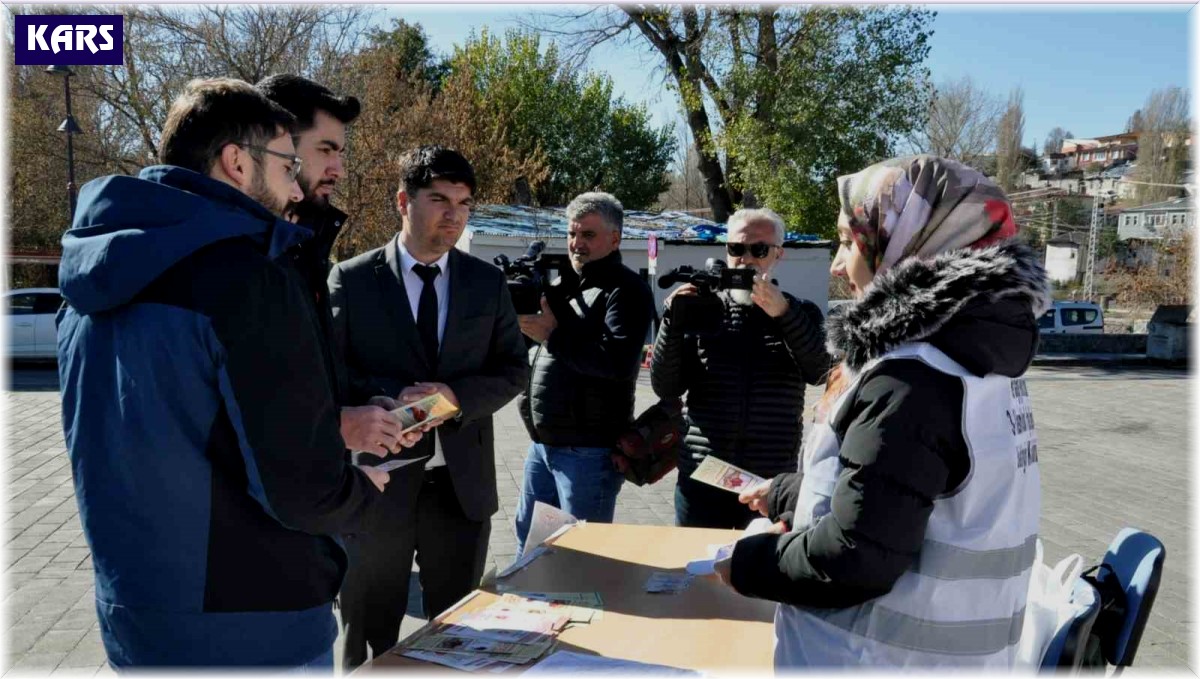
x=71 y=128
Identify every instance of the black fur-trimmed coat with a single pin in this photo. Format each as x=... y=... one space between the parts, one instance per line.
x=901 y=427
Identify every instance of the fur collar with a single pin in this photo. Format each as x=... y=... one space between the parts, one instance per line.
x=916 y=298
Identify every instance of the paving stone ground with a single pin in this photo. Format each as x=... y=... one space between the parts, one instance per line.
x=1113 y=451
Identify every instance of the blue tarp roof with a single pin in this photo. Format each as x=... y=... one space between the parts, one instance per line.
x=520 y=220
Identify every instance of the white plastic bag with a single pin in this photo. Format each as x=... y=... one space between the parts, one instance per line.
x=1048 y=606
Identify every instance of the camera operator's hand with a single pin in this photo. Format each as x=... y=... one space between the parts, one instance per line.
x=685 y=290
x=768 y=296
x=538 y=327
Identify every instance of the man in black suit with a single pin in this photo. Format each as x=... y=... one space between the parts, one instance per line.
x=416 y=317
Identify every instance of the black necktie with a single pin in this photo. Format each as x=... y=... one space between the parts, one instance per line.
x=427 y=310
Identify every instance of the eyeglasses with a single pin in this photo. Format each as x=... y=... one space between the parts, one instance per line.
x=296 y=161
x=757 y=250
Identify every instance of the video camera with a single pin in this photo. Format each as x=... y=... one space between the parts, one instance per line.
x=530 y=275
x=703 y=313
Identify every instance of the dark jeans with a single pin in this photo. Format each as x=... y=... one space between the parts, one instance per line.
x=699 y=505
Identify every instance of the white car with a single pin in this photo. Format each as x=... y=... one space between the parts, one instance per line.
x=31 y=331
x=1072 y=317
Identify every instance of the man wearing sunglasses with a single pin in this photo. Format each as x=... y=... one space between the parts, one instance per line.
x=744 y=385
x=203 y=438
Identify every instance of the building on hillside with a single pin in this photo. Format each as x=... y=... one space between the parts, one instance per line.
x=1142 y=230
x=680 y=239
x=1074 y=148
x=1055 y=163
x=1101 y=151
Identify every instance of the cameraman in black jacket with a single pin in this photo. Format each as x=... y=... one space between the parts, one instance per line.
x=744 y=383
x=584 y=370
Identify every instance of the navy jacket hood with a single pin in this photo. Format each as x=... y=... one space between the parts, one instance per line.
x=129 y=230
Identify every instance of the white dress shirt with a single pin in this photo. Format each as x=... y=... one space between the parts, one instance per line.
x=413 y=285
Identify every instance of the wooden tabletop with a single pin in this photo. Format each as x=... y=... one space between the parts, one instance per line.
x=706 y=627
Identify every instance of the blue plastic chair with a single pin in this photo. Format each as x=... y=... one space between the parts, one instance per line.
x=1067 y=646
x=1135 y=559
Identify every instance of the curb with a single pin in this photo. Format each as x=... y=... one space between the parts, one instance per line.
x=1130 y=360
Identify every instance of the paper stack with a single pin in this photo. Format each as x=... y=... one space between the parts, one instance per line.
x=518 y=628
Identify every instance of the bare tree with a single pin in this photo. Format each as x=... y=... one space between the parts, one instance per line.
x=1162 y=144
x=1134 y=124
x=686 y=191
x=167 y=46
x=1055 y=139
x=1010 y=159
x=401 y=111
x=961 y=123
x=778 y=98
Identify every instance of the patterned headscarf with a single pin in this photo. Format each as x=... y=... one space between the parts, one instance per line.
x=921 y=206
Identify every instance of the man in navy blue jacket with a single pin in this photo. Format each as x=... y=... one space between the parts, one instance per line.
x=199 y=420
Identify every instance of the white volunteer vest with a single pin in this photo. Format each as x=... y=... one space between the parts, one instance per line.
x=963 y=603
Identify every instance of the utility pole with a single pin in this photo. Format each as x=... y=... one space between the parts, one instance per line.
x=1054 y=222
x=1089 y=278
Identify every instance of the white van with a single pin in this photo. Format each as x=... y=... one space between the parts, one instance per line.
x=1063 y=317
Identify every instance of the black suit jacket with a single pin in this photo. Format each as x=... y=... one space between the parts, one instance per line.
x=482 y=355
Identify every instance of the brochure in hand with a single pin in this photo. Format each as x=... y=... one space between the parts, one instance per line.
x=725 y=476
x=430 y=408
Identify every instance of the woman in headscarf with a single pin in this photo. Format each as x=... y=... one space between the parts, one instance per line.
x=913 y=518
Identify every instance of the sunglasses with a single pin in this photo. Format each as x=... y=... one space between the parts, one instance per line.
x=757 y=250
x=296 y=161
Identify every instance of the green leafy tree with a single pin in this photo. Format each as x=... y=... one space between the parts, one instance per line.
x=408 y=46
x=779 y=99
x=589 y=139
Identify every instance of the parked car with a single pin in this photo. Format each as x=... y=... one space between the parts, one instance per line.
x=1072 y=317
x=31 y=331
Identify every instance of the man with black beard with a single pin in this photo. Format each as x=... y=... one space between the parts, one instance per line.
x=322 y=118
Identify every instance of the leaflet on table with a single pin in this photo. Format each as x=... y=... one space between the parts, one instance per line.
x=662 y=582
x=547 y=521
x=467 y=663
x=725 y=476
x=505 y=622
x=425 y=410
x=579 y=614
x=587 y=599
x=509 y=652
x=561 y=663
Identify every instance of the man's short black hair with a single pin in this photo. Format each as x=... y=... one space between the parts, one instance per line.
x=420 y=166
x=304 y=98
x=213 y=113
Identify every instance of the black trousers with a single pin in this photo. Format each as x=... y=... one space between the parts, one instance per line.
x=421 y=515
x=699 y=505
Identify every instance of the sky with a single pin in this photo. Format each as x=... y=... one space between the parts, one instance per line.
x=1083 y=68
